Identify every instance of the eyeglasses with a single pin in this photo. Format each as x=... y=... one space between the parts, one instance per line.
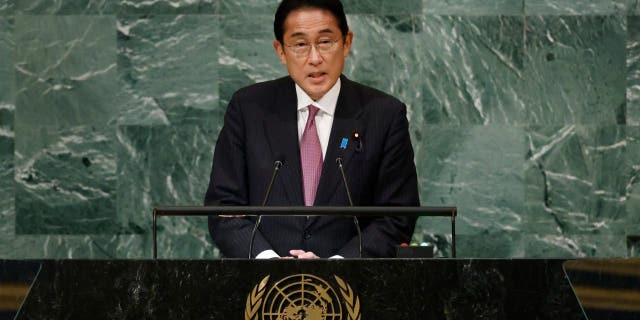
x=303 y=48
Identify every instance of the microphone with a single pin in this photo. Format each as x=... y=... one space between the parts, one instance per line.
x=276 y=168
x=355 y=218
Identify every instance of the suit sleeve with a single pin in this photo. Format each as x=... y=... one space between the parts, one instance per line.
x=396 y=185
x=228 y=185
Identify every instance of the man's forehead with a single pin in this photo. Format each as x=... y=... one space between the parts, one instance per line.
x=310 y=21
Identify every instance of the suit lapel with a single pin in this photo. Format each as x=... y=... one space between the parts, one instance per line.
x=281 y=130
x=345 y=123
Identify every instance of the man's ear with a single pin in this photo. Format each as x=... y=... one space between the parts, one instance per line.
x=348 y=40
x=280 y=51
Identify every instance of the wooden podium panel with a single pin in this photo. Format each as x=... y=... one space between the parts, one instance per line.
x=297 y=289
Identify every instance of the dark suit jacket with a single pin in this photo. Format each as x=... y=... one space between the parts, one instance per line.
x=260 y=126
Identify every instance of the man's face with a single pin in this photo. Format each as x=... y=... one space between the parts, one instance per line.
x=317 y=71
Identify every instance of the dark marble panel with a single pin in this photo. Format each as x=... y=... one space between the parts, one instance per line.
x=246 y=54
x=6 y=130
x=7 y=7
x=433 y=289
x=183 y=238
x=180 y=164
x=474 y=7
x=190 y=243
x=382 y=7
x=7 y=191
x=168 y=7
x=633 y=7
x=72 y=81
x=575 y=7
x=268 y=7
x=580 y=178
x=561 y=245
x=249 y=8
x=448 y=69
x=515 y=244
x=167 y=66
x=165 y=166
x=133 y=185
x=633 y=243
x=7 y=212
x=632 y=193
x=633 y=70
x=65 y=180
x=74 y=246
x=7 y=104
x=476 y=168
x=575 y=70
x=492 y=244
x=7 y=133
x=7 y=48
x=64 y=7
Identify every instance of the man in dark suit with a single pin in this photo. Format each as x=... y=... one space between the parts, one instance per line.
x=307 y=120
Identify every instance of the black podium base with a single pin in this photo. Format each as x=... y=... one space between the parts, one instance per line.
x=294 y=289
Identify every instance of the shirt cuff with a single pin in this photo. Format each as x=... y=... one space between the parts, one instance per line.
x=267 y=254
x=336 y=257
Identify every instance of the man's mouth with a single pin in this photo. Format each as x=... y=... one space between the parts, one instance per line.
x=317 y=77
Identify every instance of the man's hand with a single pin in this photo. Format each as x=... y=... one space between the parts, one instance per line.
x=301 y=254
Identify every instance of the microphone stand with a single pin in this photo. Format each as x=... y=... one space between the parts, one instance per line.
x=355 y=218
x=276 y=168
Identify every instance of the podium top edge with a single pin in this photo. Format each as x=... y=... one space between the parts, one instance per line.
x=306 y=211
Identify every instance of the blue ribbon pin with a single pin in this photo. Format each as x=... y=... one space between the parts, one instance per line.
x=343 y=143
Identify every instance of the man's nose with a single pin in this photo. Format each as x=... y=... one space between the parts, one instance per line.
x=314 y=56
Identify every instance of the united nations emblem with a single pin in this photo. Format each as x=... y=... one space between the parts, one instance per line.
x=302 y=297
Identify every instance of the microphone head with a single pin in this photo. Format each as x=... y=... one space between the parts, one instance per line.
x=339 y=161
x=279 y=160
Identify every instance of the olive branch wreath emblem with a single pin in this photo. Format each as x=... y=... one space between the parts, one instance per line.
x=254 y=300
x=352 y=301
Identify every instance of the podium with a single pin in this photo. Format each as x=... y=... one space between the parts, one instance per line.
x=299 y=289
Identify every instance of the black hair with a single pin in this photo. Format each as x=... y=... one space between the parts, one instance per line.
x=288 y=6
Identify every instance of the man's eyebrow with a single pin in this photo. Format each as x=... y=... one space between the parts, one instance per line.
x=298 y=34
x=301 y=34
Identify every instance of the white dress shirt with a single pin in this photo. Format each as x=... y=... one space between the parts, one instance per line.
x=324 y=122
x=324 y=117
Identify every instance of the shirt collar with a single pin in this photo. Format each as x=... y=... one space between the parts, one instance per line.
x=327 y=103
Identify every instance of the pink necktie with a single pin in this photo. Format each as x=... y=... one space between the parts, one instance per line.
x=310 y=157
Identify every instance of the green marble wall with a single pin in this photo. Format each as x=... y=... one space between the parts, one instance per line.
x=524 y=114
